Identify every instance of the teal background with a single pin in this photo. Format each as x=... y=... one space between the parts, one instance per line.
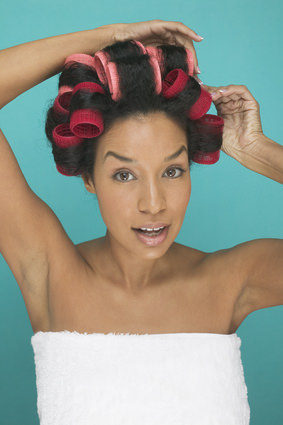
x=229 y=204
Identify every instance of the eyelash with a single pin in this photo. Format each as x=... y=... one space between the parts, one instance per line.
x=127 y=172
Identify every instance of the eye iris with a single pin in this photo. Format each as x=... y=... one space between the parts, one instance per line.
x=124 y=174
x=171 y=171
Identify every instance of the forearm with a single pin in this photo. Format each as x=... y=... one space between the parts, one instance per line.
x=26 y=65
x=264 y=157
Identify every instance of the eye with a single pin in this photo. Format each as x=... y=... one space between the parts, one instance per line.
x=181 y=170
x=122 y=173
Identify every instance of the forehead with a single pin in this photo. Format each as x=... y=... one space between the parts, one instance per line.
x=152 y=132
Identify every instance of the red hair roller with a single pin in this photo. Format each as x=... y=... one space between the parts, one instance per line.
x=86 y=123
x=174 y=82
x=212 y=126
x=63 y=136
x=65 y=172
x=88 y=86
x=201 y=106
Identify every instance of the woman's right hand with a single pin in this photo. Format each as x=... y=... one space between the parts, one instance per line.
x=155 y=32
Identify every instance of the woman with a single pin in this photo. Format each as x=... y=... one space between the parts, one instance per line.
x=133 y=327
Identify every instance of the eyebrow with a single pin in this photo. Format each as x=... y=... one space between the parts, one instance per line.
x=124 y=158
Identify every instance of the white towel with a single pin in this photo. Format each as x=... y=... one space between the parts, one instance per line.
x=149 y=379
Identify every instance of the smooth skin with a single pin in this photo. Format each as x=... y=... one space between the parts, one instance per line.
x=116 y=283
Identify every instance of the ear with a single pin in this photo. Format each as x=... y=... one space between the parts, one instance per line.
x=89 y=184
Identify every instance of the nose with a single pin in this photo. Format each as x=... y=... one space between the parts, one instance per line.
x=152 y=198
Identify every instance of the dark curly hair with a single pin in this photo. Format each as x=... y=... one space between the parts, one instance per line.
x=137 y=86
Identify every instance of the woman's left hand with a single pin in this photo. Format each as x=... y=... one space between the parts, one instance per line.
x=240 y=111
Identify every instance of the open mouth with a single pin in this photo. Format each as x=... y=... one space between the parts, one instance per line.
x=152 y=232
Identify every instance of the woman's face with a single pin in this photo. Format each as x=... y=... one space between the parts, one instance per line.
x=146 y=186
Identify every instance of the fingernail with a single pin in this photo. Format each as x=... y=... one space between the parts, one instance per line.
x=198 y=70
x=223 y=90
x=199 y=36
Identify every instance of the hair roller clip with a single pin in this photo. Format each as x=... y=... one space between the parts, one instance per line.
x=80 y=58
x=157 y=74
x=88 y=86
x=86 y=123
x=101 y=60
x=158 y=54
x=201 y=106
x=62 y=101
x=138 y=43
x=65 y=172
x=209 y=126
x=174 y=82
x=113 y=81
x=63 y=136
x=190 y=62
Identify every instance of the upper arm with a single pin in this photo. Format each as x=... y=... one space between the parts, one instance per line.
x=32 y=240
x=261 y=263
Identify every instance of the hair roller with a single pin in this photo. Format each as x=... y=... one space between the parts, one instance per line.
x=190 y=62
x=101 y=60
x=63 y=136
x=86 y=123
x=81 y=58
x=158 y=54
x=65 y=172
x=174 y=82
x=157 y=74
x=113 y=81
x=88 y=86
x=62 y=101
x=209 y=126
x=201 y=106
x=141 y=46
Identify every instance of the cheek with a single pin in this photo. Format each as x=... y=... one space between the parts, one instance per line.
x=115 y=205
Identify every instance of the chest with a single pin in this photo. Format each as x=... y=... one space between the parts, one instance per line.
x=192 y=303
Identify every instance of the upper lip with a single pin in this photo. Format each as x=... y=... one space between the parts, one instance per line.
x=152 y=225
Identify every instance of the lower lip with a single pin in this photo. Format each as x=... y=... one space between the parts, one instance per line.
x=152 y=240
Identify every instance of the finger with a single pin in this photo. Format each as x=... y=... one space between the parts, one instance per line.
x=183 y=29
x=234 y=91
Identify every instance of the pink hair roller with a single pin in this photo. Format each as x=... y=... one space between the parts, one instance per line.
x=157 y=74
x=174 y=82
x=113 y=81
x=62 y=101
x=138 y=43
x=156 y=53
x=80 y=58
x=190 y=62
x=101 y=60
x=63 y=136
x=201 y=106
x=86 y=123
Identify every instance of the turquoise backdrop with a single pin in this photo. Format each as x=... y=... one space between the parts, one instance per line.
x=229 y=204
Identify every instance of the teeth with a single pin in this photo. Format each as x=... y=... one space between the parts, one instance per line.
x=152 y=230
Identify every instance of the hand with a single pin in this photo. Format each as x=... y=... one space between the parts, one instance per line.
x=240 y=111
x=155 y=32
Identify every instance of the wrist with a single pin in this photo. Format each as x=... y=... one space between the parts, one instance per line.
x=264 y=156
